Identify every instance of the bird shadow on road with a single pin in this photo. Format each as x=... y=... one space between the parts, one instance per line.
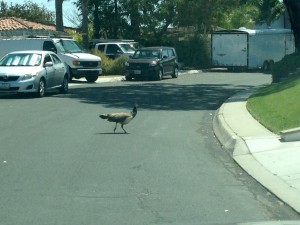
x=109 y=133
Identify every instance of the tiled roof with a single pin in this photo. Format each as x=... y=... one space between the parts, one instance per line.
x=12 y=23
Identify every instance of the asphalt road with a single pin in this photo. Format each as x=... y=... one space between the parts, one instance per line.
x=60 y=164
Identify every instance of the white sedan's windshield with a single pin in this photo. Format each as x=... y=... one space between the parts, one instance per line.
x=21 y=59
x=68 y=46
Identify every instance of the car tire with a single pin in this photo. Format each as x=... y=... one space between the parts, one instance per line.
x=160 y=75
x=64 y=86
x=175 y=72
x=128 y=78
x=91 y=79
x=41 y=88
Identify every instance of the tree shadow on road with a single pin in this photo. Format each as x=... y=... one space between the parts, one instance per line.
x=164 y=95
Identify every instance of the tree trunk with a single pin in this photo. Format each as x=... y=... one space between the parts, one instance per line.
x=96 y=22
x=134 y=18
x=59 y=15
x=293 y=8
x=116 y=20
x=85 y=24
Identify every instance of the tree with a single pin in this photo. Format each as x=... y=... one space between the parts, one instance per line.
x=28 y=10
x=242 y=16
x=135 y=17
x=203 y=14
x=85 y=23
x=96 y=18
x=59 y=15
x=293 y=8
x=269 y=10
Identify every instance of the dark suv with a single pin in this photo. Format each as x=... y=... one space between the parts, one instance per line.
x=153 y=63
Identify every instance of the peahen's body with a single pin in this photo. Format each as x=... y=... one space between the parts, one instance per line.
x=121 y=118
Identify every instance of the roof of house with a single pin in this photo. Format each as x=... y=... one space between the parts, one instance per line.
x=13 y=23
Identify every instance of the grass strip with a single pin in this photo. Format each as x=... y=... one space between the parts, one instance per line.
x=277 y=106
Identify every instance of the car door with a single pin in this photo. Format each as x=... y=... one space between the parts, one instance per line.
x=167 y=65
x=172 y=60
x=50 y=71
x=113 y=51
x=59 y=68
x=164 y=60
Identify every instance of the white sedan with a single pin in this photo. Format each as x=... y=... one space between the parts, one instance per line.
x=33 y=72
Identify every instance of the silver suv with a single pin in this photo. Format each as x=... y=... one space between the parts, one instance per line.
x=115 y=49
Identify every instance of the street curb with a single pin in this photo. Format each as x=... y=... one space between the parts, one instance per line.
x=241 y=154
x=222 y=131
x=274 y=184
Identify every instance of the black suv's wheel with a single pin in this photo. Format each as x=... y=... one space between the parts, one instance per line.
x=160 y=75
x=128 y=78
x=91 y=79
x=175 y=72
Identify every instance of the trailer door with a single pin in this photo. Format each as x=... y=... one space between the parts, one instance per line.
x=230 y=50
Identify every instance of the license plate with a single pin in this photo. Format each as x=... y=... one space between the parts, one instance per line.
x=4 y=86
x=137 y=72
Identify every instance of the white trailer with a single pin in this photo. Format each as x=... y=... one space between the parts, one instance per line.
x=250 y=49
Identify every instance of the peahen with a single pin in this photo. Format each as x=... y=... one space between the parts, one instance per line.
x=121 y=118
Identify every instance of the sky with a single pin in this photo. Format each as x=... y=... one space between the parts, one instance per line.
x=68 y=7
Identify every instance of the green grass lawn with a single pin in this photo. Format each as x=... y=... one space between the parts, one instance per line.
x=277 y=106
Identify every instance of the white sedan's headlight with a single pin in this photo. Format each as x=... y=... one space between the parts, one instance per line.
x=29 y=76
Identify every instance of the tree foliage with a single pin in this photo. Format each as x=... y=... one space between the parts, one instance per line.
x=269 y=10
x=27 y=10
x=293 y=8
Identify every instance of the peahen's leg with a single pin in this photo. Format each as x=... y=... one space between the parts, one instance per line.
x=115 y=127
x=123 y=129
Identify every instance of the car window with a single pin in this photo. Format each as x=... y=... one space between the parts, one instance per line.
x=49 y=46
x=165 y=53
x=146 y=54
x=127 y=48
x=171 y=53
x=21 y=59
x=101 y=48
x=112 y=49
x=47 y=59
x=56 y=60
x=68 y=46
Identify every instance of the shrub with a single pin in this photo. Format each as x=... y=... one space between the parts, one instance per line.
x=111 y=66
x=284 y=67
x=194 y=52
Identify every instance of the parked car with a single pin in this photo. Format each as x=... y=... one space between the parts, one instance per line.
x=116 y=49
x=33 y=72
x=80 y=63
x=152 y=63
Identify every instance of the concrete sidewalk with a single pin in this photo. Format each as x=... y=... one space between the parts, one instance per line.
x=272 y=162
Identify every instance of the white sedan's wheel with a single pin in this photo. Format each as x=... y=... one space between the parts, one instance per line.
x=41 y=88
